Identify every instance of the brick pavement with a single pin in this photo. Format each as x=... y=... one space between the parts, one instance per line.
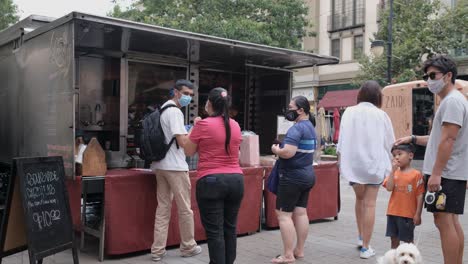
x=329 y=242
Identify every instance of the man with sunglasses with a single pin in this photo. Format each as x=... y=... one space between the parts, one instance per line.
x=172 y=178
x=446 y=158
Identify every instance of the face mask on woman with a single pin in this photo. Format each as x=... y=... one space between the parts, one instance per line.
x=291 y=115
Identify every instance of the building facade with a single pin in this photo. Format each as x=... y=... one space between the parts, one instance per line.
x=344 y=29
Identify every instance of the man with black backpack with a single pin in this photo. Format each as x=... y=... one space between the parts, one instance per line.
x=172 y=176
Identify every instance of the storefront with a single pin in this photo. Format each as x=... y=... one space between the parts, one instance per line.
x=100 y=75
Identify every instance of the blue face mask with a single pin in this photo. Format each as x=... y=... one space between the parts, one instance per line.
x=185 y=100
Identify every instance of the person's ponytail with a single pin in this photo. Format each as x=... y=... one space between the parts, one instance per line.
x=312 y=118
x=227 y=125
x=219 y=100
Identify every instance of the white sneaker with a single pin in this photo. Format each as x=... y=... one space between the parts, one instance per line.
x=366 y=253
x=197 y=250
x=359 y=243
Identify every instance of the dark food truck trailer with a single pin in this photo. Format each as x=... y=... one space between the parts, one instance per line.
x=99 y=76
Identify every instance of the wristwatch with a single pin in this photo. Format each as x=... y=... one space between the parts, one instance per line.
x=413 y=139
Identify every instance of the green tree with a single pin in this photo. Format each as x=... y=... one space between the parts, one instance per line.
x=420 y=28
x=280 y=23
x=9 y=13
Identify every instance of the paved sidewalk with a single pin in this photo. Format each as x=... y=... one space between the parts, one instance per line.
x=329 y=241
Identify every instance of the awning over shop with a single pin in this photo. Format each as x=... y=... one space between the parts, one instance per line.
x=339 y=99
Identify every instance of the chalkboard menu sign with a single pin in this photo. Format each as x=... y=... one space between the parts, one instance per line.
x=39 y=184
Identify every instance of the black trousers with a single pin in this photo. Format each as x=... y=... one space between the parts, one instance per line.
x=219 y=197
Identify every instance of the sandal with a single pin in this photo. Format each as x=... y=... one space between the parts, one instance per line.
x=298 y=257
x=282 y=260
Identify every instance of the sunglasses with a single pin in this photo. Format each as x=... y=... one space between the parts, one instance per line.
x=430 y=75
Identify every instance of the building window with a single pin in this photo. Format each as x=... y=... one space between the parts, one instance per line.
x=335 y=48
x=346 y=14
x=358 y=46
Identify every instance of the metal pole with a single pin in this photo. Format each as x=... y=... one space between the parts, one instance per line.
x=389 y=49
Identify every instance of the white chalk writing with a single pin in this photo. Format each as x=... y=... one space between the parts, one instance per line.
x=40 y=191
x=45 y=219
x=38 y=178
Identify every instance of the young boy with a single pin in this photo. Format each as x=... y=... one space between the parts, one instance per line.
x=406 y=201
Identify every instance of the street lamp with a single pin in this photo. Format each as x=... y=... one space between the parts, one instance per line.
x=377 y=46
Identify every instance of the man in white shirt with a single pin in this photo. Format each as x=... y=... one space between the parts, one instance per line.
x=446 y=158
x=172 y=178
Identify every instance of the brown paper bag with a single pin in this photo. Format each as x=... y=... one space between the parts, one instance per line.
x=249 y=151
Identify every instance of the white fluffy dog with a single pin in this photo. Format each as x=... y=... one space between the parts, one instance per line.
x=405 y=254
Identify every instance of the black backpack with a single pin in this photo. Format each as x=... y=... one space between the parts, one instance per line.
x=151 y=140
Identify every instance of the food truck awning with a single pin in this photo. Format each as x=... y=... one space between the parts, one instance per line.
x=127 y=38
x=338 y=99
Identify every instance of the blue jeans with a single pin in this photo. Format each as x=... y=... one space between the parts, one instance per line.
x=219 y=197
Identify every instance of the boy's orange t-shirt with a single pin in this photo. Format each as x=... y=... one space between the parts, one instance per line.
x=408 y=186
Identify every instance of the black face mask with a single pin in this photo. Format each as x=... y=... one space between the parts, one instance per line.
x=291 y=115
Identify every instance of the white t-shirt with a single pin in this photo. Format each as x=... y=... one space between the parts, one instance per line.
x=172 y=123
x=454 y=110
x=365 y=143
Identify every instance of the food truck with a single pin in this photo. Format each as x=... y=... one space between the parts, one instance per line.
x=411 y=107
x=101 y=75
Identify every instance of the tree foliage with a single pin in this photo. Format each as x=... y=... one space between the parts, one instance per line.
x=420 y=28
x=8 y=11
x=280 y=23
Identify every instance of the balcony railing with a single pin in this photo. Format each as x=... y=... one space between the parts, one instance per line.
x=346 y=20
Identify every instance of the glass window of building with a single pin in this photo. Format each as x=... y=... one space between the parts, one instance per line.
x=358 y=46
x=347 y=14
x=335 y=48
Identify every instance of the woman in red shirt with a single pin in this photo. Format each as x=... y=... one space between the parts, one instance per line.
x=220 y=185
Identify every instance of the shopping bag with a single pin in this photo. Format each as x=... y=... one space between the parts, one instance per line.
x=249 y=151
x=273 y=178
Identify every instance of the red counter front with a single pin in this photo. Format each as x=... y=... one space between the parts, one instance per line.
x=324 y=199
x=130 y=206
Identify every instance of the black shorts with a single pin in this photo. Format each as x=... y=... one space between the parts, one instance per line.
x=401 y=228
x=454 y=191
x=291 y=195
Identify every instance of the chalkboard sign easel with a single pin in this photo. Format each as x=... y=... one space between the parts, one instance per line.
x=37 y=214
x=12 y=236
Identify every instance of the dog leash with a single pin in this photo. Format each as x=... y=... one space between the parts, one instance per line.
x=419 y=235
